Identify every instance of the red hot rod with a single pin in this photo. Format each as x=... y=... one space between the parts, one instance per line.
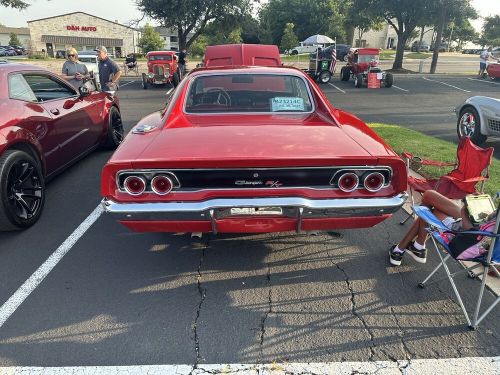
x=162 y=69
x=251 y=149
x=362 y=64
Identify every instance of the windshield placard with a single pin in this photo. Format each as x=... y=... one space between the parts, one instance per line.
x=287 y=104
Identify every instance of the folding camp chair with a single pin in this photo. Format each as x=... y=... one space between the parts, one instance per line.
x=488 y=260
x=471 y=167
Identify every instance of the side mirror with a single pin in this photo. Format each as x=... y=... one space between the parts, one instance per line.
x=84 y=91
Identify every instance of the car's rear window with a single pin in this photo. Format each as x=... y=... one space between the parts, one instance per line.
x=257 y=93
x=160 y=57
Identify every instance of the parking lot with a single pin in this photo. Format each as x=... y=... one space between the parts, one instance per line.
x=116 y=298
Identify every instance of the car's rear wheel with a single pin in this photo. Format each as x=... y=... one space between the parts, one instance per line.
x=358 y=80
x=324 y=76
x=114 y=135
x=389 y=79
x=22 y=190
x=345 y=73
x=144 y=81
x=469 y=125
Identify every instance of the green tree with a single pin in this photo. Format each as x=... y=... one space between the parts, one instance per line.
x=223 y=31
x=309 y=17
x=191 y=16
x=460 y=32
x=491 y=30
x=14 y=40
x=197 y=48
x=17 y=4
x=289 y=39
x=150 y=40
x=362 y=21
x=250 y=29
x=402 y=15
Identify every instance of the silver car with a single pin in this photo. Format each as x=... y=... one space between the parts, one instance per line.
x=478 y=118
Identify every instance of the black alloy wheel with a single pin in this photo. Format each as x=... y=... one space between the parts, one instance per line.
x=144 y=81
x=175 y=80
x=345 y=73
x=115 y=133
x=22 y=190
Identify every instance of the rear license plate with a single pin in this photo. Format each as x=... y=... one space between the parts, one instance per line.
x=256 y=211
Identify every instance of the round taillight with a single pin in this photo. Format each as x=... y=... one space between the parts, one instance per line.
x=374 y=181
x=134 y=185
x=161 y=185
x=348 y=181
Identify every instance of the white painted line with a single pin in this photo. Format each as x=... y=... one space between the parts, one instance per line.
x=399 y=88
x=169 y=91
x=445 y=366
x=444 y=83
x=11 y=305
x=128 y=83
x=484 y=81
x=336 y=87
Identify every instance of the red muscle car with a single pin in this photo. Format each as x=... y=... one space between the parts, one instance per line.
x=45 y=125
x=251 y=149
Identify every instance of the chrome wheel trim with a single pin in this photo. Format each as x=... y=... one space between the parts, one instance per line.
x=467 y=125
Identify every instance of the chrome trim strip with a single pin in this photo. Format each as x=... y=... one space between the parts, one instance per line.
x=213 y=209
x=177 y=184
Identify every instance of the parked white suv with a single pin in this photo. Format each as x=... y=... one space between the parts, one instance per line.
x=303 y=48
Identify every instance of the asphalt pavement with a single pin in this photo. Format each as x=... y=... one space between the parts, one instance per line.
x=122 y=298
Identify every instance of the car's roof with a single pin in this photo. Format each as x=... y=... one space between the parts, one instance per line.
x=15 y=67
x=160 y=53
x=249 y=69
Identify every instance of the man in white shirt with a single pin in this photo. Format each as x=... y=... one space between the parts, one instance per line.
x=483 y=58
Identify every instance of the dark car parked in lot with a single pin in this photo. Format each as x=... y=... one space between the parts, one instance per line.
x=340 y=49
x=8 y=51
x=45 y=126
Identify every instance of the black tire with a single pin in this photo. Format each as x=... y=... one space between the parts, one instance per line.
x=114 y=134
x=294 y=52
x=389 y=79
x=144 y=81
x=324 y=77
x=358 y=80
x=175 y=79
x=469 y=125
x=22 y=190
x=345 y=73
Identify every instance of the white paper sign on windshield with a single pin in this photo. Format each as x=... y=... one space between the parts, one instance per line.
x=287 y=104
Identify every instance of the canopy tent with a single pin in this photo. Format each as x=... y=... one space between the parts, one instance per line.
x=318 y=39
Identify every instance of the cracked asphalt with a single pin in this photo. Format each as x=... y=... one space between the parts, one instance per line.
x=120 y=298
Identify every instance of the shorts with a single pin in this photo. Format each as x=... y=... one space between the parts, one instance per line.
x=452 y=223
x=482 y=65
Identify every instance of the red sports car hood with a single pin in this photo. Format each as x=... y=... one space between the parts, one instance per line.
x=226 y=144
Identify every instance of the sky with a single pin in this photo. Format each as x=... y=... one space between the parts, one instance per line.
x=124 y=11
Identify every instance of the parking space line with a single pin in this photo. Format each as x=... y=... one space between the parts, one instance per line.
x=444 y=83
x=482 y=80
x=399 y=88
x=469 y=365
x=11 y=305
x=128 y=83
x=331 y=84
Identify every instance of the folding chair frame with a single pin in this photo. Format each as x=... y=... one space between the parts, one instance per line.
x=486 y=263
x=410 y=158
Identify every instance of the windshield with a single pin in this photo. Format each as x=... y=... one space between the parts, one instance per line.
x=248 y=93
x=160 y=57
x=367 y=58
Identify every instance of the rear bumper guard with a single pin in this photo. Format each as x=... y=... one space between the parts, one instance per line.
x=291 y=207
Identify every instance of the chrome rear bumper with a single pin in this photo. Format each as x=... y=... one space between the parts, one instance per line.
x=293 y=207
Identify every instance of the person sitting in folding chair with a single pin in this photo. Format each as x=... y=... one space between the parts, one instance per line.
x=413 y=242
x=130 y=63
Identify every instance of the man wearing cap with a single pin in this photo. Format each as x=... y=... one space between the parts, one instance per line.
x=109 y=71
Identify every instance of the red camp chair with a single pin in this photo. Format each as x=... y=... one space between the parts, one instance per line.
x=471 y=167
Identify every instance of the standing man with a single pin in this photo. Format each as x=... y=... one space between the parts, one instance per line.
x=109 y=71
x=483 y=58
x=182 y=62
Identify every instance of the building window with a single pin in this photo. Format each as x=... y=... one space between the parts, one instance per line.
x=174 y=39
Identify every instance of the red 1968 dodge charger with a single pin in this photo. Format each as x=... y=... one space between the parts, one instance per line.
x=251 y=149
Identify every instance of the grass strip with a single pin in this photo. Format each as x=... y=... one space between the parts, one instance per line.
x=426 y=147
